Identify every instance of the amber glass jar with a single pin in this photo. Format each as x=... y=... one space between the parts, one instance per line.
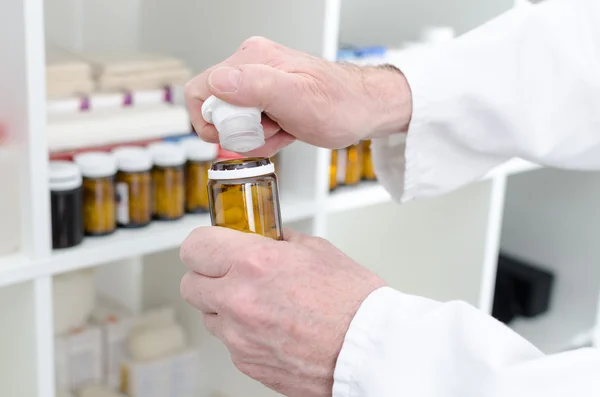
x=134 y=187
x=333 y=175
x=347 y=165
x=200 y=156
x=354 y=164
x=168 y=184
x=368 y=169
x=244 y=196
x=99 y=199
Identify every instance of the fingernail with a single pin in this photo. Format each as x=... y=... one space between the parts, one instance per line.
x=225 y=79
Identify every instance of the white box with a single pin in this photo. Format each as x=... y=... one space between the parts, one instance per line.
x=185 y=370
x=116 y=323
x=173 y=376
x=61 y=363
x=148 y=379
x=79 y=359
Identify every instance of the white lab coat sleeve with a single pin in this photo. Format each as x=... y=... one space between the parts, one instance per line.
x=526 y=84
x=400 y=346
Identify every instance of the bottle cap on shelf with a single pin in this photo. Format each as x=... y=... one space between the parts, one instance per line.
x=96 y=164
x=167 y=154
x=198 y=150
x=133 y=159
x=64 y=175
x=240 y=129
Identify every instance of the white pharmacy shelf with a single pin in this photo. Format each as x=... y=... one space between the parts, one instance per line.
x=346 y=198
x=123 y=244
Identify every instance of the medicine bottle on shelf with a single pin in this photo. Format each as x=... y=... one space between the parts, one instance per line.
x=99 y=198
x=368 y=169
x=333 y=174
x=134 y=187
x=200 y=156
x=66 y=204
x=349 y=165
x=244 y=196
x=168 y=184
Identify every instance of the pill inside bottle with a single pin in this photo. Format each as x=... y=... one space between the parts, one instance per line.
x=244 y=196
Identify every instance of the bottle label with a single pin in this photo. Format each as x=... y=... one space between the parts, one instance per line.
x=342 y=165
x=122 y=203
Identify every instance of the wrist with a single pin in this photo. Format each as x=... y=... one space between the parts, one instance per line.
x=390 y=98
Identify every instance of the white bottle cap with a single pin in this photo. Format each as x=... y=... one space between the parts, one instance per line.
x=133 y=159
x=96 y=164
x=198 y=150
x=240 y=129
x=438 y=35
x=63 y=176
x=167 y=154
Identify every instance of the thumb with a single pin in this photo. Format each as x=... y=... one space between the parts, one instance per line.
x=253 y=85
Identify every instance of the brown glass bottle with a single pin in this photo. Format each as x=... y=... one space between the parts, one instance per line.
x=333 y=170
x=244 y=196
x=99 y=199
x=200 y=156
x=368 y=169
x=354 y=164
x=134 y=187
x=168 y=182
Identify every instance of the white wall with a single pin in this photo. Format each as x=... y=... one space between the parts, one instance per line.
x=433 y=248
x=552 y=219
x=17 y=341
x=93 y=25
x=207 y=32
x=391 y=22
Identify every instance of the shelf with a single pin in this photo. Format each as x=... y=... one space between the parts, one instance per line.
x=159 y=236
x=347 y=198
x=513 y=167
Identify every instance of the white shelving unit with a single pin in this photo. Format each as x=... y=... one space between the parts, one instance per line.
x=444 y=248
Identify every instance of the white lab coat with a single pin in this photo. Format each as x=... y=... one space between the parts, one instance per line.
x=526 y=85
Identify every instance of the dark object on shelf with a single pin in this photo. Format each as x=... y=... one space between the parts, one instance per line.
x=522 y=290
x=66 y=204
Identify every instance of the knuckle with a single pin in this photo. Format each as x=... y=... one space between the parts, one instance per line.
x=189 y=246
x=185 y=287
x=257 y=43
x=243 y=367
x=189 y=90
x=259 y=258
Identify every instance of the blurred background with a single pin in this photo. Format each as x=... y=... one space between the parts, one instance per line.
x=101 y=315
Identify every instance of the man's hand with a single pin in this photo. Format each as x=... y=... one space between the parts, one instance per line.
x=281 y=307
x=303 y=97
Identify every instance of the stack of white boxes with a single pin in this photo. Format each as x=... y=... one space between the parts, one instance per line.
x=110 y=356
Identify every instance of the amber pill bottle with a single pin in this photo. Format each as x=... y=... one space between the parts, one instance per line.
x=368 y=169
x=99 y=198
x=168 y=181
x=200 y=156
x=244 y=196
x=349 y=168
x=134 y=187
x=333 y=174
